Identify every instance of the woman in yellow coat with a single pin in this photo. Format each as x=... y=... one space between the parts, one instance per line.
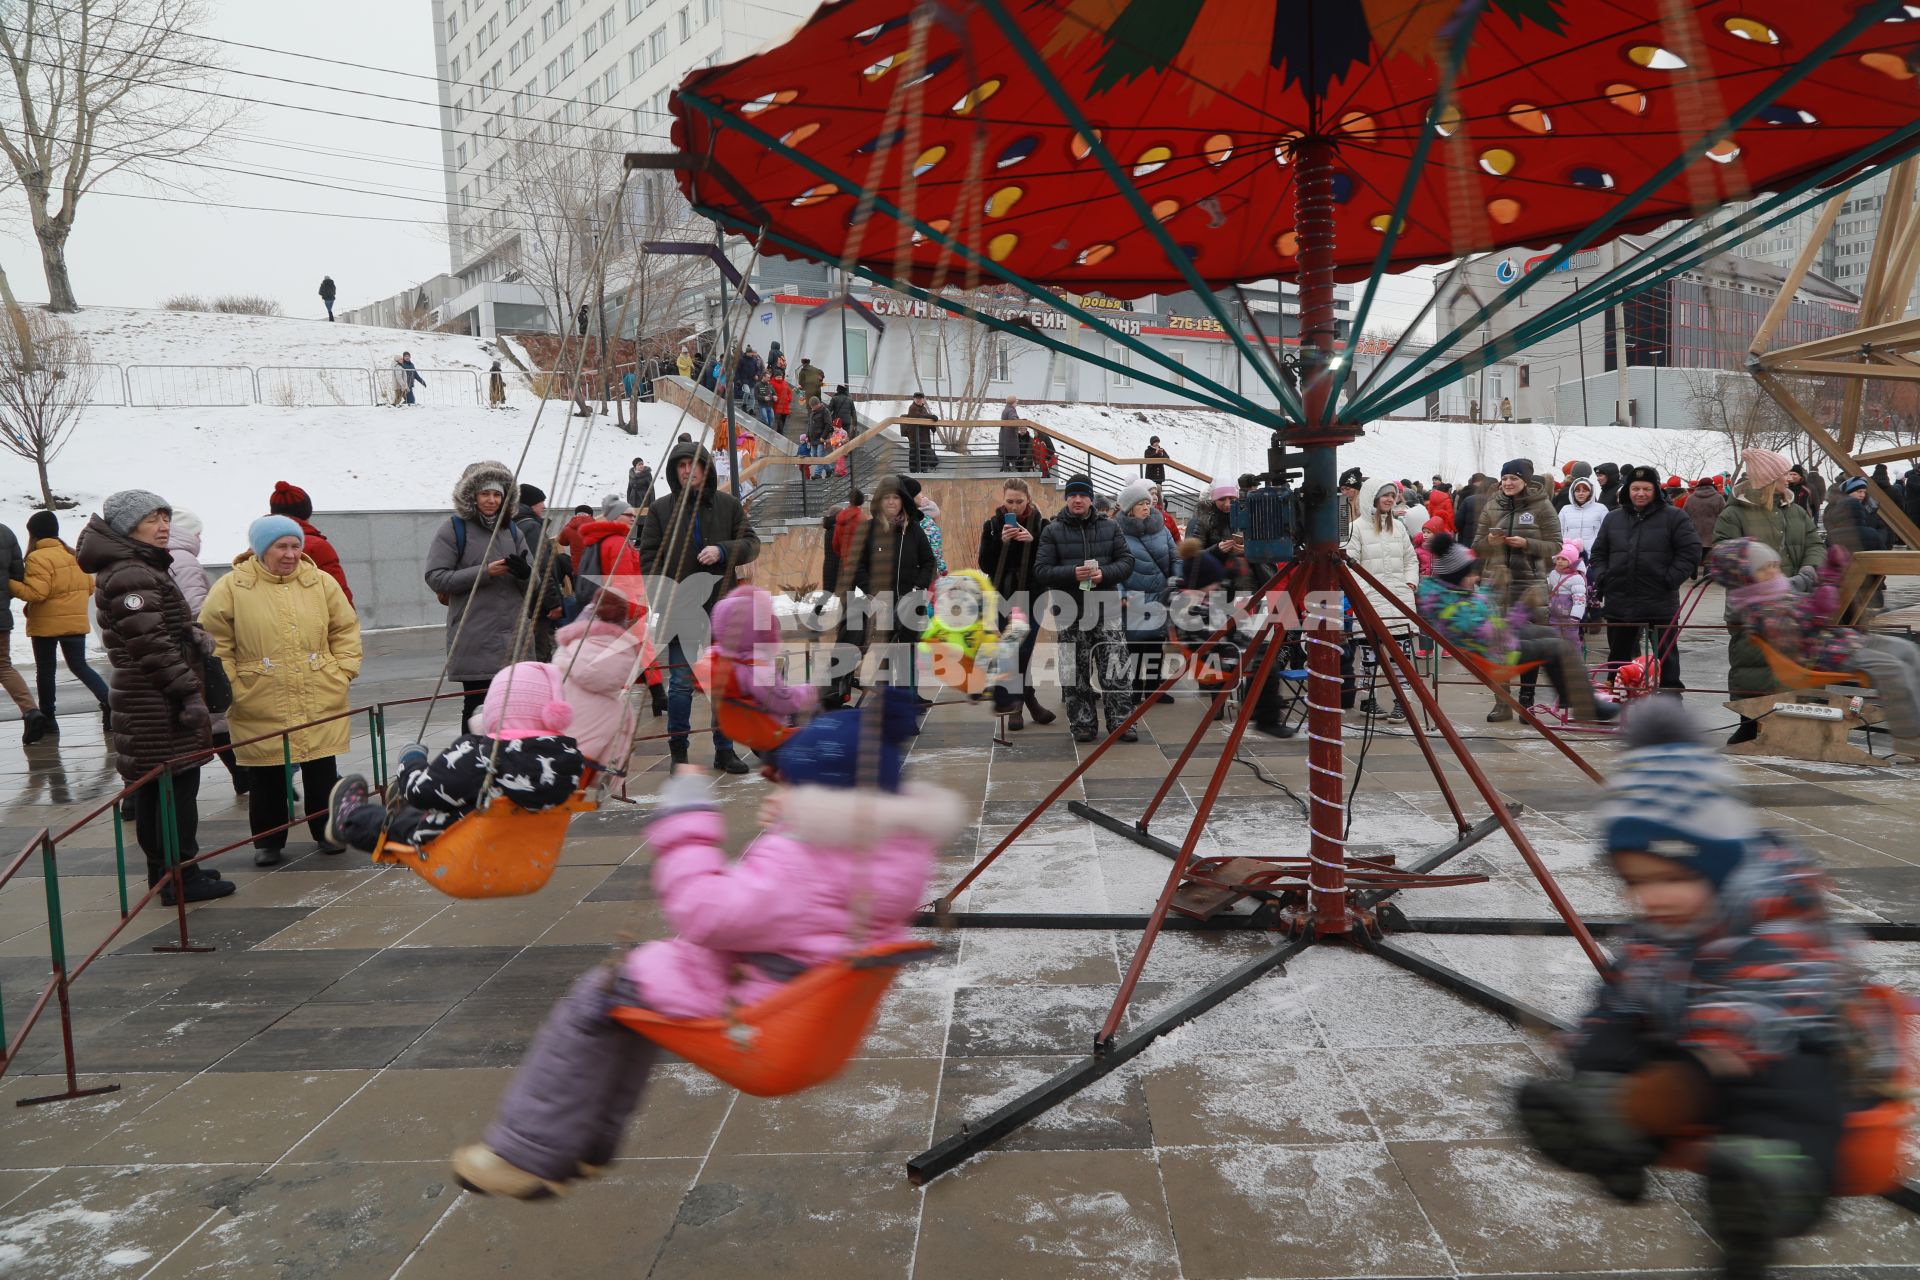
x=291 y=645
x=56 y=590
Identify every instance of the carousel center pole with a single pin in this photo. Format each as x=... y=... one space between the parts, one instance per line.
x=1329 y=911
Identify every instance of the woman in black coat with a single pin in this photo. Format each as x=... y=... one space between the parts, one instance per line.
x=895 y=570
x=159 y=656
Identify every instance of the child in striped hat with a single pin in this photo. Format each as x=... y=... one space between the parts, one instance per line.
x=1735 y=1003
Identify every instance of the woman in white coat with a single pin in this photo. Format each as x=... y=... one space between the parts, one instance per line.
x=1379 y=544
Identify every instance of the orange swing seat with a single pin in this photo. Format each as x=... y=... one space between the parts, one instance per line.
x=1872 y=1159
x=501 y=851
x=798 y=1037
x=1498 y=672
x=759 y=731
x=1792 y=675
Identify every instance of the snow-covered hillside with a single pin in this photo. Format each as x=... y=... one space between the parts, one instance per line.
x=221 y=463
x=142 y=336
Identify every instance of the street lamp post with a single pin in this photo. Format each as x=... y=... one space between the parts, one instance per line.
x=1654 y=420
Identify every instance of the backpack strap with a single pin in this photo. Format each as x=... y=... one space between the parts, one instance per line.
x=459 y=539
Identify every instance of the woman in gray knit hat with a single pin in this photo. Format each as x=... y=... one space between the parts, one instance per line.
x=159 y=658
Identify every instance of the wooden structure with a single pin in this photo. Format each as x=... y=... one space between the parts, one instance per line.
x=1885 y=347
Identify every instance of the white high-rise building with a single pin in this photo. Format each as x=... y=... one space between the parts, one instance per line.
x=560 y=84
x=1848 y=249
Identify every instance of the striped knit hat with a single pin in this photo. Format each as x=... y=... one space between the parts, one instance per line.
x=1670 y=795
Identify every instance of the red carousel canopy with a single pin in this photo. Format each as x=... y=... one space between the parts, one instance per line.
x=1560 y=108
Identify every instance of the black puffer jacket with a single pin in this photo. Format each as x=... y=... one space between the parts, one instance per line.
x=906 y=545
x=1008 y=562
x=1068 y=542
x=1642 y=558
x=158 y=650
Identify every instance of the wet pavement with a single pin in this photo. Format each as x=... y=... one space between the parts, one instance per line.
x=288 y=1099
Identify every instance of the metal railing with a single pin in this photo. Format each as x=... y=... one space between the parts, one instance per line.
x=305 y=386
x=194 y=386
x=217 y=386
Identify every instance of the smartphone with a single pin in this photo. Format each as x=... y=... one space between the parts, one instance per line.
x=1007 y=517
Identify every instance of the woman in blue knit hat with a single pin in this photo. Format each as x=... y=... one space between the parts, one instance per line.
x=1735 y=1004
x=290 y=642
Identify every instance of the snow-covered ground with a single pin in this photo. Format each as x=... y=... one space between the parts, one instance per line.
x=221 y=463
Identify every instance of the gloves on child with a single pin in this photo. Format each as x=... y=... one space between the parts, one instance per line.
x=683 y=791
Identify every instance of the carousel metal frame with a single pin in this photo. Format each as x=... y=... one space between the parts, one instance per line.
x=1324 y=895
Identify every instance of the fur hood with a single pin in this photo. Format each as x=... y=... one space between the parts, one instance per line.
x=835 y=818
x=466 y=490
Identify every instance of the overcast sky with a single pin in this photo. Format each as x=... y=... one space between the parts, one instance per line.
x=136 y=252
x=382 y=235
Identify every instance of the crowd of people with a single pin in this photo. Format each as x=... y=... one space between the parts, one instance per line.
x=1607 y=550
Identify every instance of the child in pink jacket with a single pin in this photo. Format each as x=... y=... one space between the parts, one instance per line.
x=599 y=652
x=746 y=632
x=743 y=928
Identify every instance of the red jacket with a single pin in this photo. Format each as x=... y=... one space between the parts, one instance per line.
x=845 y=525
x=569 y=536
x=325 y=558
x=782 y=397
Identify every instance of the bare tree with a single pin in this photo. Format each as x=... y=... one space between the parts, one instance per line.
x=555 y=193
x=1739 y=416
x=100 y=87
x=45 y=383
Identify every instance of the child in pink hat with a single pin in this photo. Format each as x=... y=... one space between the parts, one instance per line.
x=1567 y=595
x=518 y=749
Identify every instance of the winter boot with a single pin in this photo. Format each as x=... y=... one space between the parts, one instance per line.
x=677 y=751
x=658 y=695
x=727 y=762
x=347 y=795
x=38 y=725
x=200 y=888
x=106 y=721
x=1501 y=712
x=1398 y=715
x=1578 y=1125
x=1759 y=1190
x=268 y=857
x=477 y=1168
x=1039 y=713
x=1370 y=708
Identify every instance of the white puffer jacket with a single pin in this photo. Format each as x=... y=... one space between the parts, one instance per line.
x=1580 y=521
x=1388 y=556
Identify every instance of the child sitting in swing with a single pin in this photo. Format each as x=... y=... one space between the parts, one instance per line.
x=1761 y=599
x=747 y=634
x=1467 y=613
x=842 y=861
x=1736 y=1006
x=518 y=735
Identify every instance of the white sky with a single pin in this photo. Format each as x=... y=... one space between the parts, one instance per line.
x=137 y=252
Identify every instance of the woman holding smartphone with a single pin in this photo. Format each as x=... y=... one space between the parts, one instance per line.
x=1007 y=542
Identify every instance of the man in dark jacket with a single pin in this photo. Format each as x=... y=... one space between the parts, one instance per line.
x=1609 y=476
x=1516 y=530
x=920 y=439
x=327 y=294
x=1645 y=553
x=841 y=406
x=640 y=485
x=1086 y=554
x=695 y=540
x=1009 y=538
